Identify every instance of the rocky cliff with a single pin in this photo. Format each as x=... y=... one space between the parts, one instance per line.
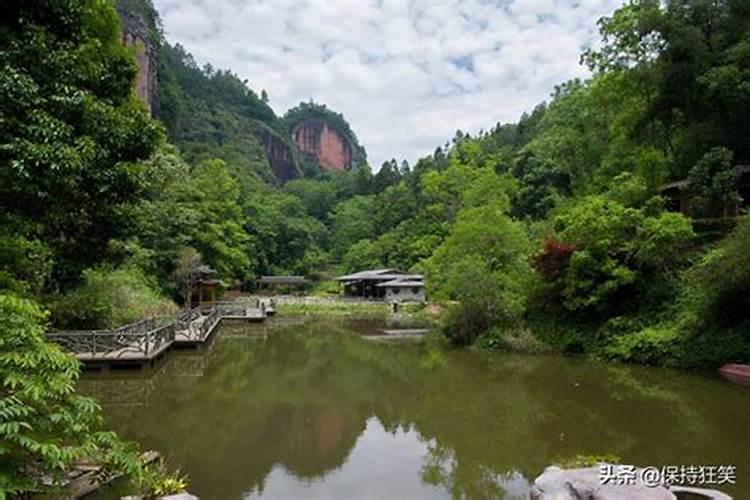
x=137 y=32
x=325 y=137
x=280 y=156
x=315 y=137
x=214 y=112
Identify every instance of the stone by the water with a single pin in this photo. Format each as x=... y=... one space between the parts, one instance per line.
x=585 y=483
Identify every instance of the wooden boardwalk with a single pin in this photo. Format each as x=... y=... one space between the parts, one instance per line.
x=145 y=341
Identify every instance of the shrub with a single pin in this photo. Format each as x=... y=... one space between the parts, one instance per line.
x=514 y=339
x=156 y=481
x=617 y=248
x=109 y=298
x=714 y=302
x=45 y=427
x=651 y=346
x=553 y=258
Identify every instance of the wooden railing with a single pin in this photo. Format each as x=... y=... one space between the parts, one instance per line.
x=146 y=338
x=188 y=315
x=209 y=323
x=129 y=341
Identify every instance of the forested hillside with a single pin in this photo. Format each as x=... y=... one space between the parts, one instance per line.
x=556 y=229
x=555 y=225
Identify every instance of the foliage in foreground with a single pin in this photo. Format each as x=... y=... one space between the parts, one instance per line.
x=45 y=427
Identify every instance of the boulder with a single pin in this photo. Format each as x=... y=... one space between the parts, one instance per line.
x=177 y=496
x=585 y=484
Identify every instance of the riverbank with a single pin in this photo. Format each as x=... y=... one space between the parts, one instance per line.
x=291 y=305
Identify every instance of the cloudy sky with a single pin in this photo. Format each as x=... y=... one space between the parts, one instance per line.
x=405 y=73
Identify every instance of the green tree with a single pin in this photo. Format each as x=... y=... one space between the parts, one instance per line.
x=483 y=264
x=284 y=238
x=361 y=255
x=318 y=196
x=212 y=195
x=25 y=263
x=72 y=131
x=712 y=182
x=351 y=221
x=616 y=248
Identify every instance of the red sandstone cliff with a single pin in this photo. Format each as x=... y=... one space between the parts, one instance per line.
x=135 y=33
x=279 y=156
x=331 y=150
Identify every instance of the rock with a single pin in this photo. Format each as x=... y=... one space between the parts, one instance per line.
x=180 y=496
x=137 y=32
x=585 y=484
x=698 y=493
x=279 y=155
x=579 y=484
x=332 y=151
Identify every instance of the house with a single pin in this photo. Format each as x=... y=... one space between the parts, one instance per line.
x=405 y=289
x=677 y=194
x=383 y=284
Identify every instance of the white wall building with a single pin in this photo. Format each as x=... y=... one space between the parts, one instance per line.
x=406 y=289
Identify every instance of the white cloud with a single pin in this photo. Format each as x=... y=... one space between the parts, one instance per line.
x=405 y=74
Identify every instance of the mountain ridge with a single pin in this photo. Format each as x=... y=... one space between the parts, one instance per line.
x=208 y=111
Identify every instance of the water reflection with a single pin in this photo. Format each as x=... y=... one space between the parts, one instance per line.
x=312 y=410
x=379 y=457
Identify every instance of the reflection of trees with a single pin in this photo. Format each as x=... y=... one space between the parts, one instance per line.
x=441 y=468
x=300 y=398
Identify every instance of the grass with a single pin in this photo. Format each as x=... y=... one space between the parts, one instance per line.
x=347 y=308
x=332 y=308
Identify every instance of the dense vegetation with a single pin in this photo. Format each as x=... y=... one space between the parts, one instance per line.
x=547 y=232
x=211 y=113
x=72 y=139
x=554 y=228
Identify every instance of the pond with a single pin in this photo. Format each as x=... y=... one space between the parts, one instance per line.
x=308 y=408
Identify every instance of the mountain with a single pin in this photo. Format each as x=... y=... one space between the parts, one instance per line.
x=213 y=113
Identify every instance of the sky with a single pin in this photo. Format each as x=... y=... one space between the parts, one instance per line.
x=406 y=74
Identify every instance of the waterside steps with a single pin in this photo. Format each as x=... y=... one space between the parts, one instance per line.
x=141 y=344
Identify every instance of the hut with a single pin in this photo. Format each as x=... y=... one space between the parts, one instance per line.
x=206 y=286
x=366 y=284
x=678 y=197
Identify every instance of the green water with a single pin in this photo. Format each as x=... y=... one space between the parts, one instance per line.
x=295 y=409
